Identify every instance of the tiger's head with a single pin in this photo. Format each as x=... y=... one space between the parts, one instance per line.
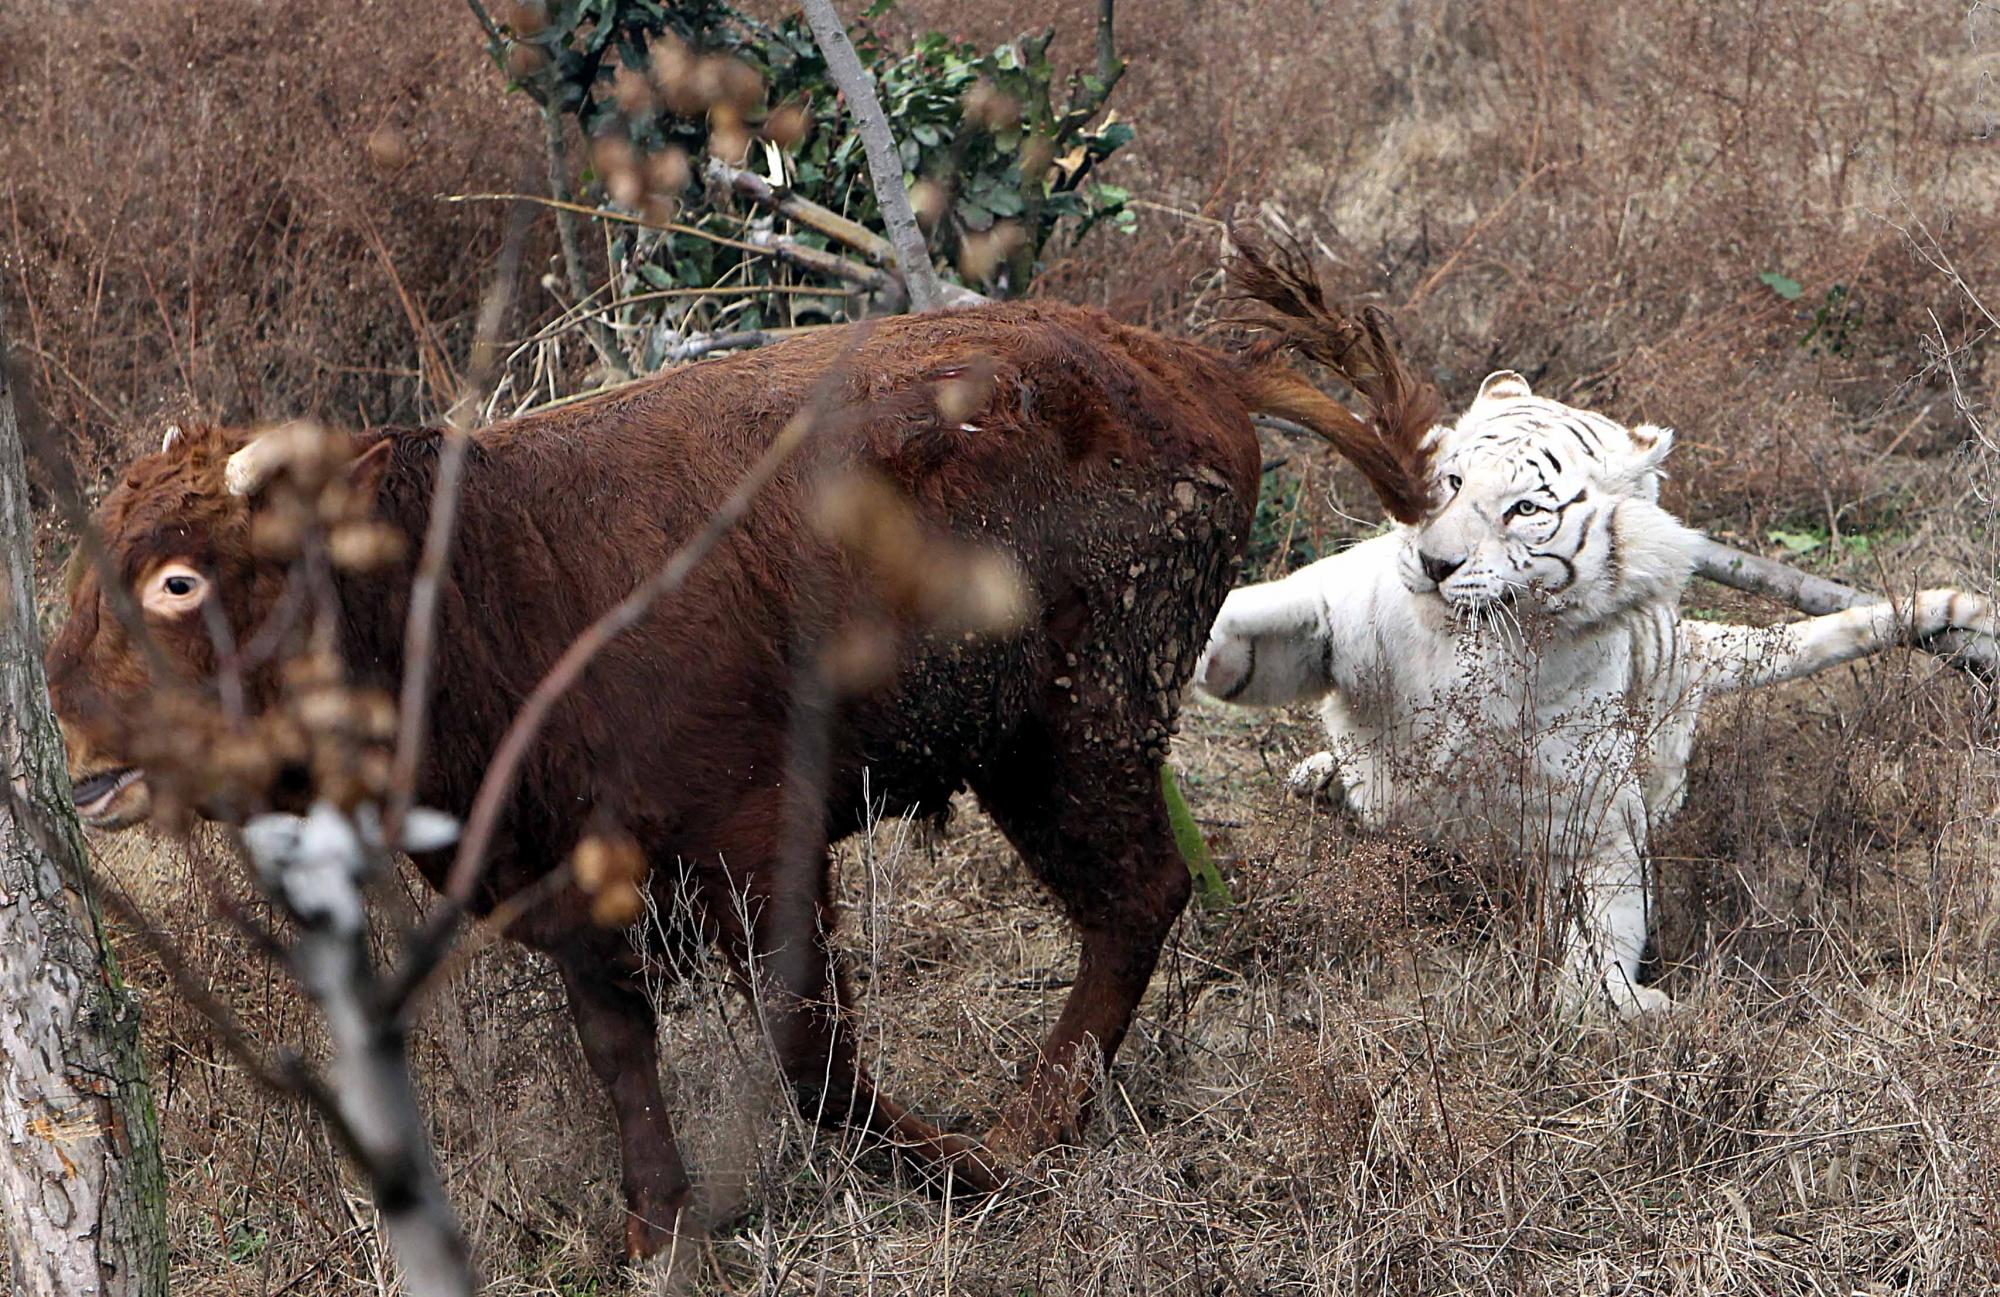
x=1540 y=506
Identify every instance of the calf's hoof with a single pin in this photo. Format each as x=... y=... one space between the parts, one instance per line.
x=968 y=1167
x=653 y=1223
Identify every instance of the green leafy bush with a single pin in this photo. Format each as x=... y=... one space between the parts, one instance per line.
x=1012 y=167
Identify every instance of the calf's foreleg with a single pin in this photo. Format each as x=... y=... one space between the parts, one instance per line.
x=615 y=1024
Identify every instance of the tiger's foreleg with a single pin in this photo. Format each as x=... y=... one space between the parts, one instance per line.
x=1729 y=658
x=1268 y=646
x=1605 y=914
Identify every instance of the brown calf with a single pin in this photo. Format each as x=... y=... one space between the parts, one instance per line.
x=1117 y=468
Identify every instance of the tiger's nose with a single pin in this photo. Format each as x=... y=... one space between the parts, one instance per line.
x=1437 y=569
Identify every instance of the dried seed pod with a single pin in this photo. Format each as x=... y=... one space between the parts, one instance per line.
x=964 y=394
x=524 y=17
x=673 y=66
x=326 y=710
x=988 y=106
x=787 y=125
x=618 y=162
x=987 y=595
x=388 y=149
x=366 y=546
x=609 y=868
x=309 y=670
x=861 y=658
x=728 y=137
x=300 y=455
x=667 y=172
x=375 y=713
x=870 y=519
x=278 y=531
x=525 y=61
x=335 y=780
x=929 y=200
x=632 y=91
x=374 y=767
x=983 y=252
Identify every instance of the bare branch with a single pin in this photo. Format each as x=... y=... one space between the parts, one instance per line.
x=1109 y=66
x=317 y=868
x=885 y=164
x=1816 y=596
x=419 y=639
x=787 y=249
x=602 y=339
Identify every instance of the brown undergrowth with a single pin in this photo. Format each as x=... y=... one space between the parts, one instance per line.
x=1347 y=1083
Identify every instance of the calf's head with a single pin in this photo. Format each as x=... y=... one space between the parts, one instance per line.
x=197 y=573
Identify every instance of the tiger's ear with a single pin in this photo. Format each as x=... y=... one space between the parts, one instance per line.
x=1503 y=385
x=1650 y=444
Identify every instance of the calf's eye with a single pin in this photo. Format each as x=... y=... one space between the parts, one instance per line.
x=173 y=589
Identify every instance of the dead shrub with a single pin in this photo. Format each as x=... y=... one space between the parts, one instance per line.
x=231 y=208
x=1341 y=1085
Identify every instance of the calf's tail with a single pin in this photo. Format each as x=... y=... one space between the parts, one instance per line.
x=1388 y=445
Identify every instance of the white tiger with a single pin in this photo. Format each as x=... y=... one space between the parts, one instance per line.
x=1512 y=668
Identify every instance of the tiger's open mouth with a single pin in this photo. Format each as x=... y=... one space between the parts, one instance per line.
x=97 y=797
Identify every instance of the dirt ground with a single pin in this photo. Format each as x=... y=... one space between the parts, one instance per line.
x=1347 y=1081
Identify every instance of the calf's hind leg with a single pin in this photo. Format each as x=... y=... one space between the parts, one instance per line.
x=1093 y=826
x=805 y=1010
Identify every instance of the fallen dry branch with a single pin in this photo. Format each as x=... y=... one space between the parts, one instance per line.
x=875 y=249
x=787 y=249
x=1816 y=596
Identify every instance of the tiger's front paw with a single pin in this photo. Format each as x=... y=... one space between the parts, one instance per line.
x=1225 y=666
x=1311 y=777
x=1641 y=1001
x=1612 y=997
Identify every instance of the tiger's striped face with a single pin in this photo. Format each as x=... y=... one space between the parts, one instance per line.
x=1537 y=506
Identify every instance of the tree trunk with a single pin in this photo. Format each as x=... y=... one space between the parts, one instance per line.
x=82 y=1193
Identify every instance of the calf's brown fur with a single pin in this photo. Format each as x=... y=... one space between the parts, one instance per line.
x=1116 y=467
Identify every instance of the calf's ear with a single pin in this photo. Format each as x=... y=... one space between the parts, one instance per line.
x=366 y=470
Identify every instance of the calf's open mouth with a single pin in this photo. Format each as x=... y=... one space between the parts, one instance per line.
x=93 y=796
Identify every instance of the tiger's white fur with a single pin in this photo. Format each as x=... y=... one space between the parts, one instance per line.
x=1512 y=671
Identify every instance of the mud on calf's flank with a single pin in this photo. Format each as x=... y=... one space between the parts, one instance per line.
x=1115 y=469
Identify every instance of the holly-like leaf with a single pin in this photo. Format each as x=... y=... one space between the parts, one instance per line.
x=1783 y=285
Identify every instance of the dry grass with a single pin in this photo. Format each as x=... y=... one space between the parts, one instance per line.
x=1343 y=1084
